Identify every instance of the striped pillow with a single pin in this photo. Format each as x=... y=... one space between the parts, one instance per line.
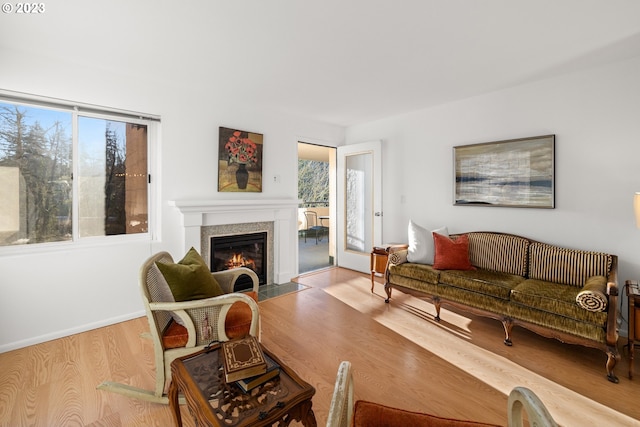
x=567 y=266
x=499 y=252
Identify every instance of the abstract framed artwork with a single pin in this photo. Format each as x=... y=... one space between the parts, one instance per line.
x=510 y=173
x=239 y=161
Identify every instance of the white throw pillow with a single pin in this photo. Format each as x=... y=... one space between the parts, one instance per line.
x=421 y=247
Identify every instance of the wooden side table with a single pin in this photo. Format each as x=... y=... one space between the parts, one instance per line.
x=213 y=402
x=379 y=259
x=633 y=296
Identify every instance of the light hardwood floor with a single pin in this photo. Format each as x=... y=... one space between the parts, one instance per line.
x=401 y=357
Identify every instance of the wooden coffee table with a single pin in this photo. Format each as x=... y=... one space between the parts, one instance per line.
x=212 y=402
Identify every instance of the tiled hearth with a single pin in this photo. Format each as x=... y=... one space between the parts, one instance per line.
x=276 y=216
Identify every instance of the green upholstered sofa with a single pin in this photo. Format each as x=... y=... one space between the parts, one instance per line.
x=561 y=293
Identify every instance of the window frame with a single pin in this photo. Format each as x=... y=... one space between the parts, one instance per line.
x=77 y=110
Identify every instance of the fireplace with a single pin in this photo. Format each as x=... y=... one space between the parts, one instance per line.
x=202 y=219
x=240 y=250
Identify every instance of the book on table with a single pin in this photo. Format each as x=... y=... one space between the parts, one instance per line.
x=242 y=358
x=273 y=370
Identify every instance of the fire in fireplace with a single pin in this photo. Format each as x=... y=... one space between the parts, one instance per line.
x=240 y=250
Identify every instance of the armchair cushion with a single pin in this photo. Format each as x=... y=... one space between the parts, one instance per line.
x=238 y=321
x=174 y=335
x=374 y=414
x=190 y=278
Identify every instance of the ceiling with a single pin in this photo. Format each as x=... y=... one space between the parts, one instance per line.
x=336 y=61
x=318 y=153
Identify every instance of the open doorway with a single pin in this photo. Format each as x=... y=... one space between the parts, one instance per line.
x=317 y=212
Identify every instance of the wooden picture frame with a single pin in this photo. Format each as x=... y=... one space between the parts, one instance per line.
x=239 y=161
x=509 y=173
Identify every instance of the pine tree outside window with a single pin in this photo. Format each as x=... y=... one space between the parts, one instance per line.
x=67 y=174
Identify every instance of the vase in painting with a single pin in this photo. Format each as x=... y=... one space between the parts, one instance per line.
x=242 y=176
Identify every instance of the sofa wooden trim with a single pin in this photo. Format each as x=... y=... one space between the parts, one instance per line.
x=609 y=346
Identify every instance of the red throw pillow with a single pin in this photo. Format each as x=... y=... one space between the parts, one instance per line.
x=451 y=254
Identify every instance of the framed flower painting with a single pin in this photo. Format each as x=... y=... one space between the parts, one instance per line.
x=239 y=161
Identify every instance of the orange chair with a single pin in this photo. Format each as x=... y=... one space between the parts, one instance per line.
x=343 y=412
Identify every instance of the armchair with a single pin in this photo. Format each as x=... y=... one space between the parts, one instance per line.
x=201 y=321
x=343 y=413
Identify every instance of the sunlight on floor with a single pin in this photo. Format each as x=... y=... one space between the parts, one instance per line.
x=414 y=319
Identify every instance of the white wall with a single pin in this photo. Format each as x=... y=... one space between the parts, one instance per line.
x=595 y=115
x=51 y=293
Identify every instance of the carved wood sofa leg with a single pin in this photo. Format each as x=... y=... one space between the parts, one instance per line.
x=507 y=324
x=612 y=359
x=437 y=304
x=387 y=289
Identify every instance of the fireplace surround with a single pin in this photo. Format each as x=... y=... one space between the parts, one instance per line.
x=279 y=217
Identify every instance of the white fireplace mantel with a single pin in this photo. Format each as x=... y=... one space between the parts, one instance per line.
x=282 y=212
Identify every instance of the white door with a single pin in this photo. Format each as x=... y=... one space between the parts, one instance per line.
x=359 y=205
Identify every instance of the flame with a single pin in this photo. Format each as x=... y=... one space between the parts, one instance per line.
x=238 y=260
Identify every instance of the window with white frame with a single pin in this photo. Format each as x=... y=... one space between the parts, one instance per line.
x=69 y=173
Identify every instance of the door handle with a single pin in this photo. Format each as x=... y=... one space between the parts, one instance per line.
x=378 y=214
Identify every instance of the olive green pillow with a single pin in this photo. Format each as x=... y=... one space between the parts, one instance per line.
x=190 y=278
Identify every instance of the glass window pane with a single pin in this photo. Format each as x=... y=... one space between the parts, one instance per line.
x=313 y=183
x=358 y=206
x=112 y=177
x=35 y=175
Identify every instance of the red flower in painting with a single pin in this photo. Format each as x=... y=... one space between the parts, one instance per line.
x=241 y=150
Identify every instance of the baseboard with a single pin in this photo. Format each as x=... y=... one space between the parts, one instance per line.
x=71 y=331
